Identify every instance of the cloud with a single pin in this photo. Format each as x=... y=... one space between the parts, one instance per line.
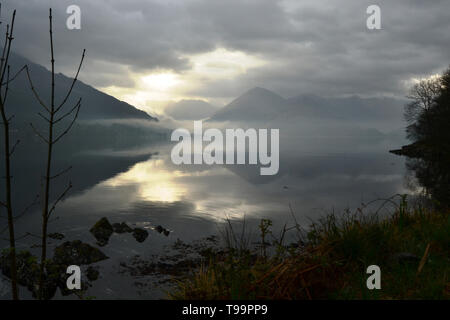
x=308 y=46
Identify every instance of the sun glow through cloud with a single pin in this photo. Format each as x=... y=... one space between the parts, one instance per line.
x=153 y=91
x=160 y=81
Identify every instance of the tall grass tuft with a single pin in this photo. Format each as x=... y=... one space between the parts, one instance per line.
x=411 y=246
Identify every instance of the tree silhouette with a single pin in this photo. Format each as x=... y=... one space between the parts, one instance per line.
x=8 y=150
x=52 y=114
x=429 y=154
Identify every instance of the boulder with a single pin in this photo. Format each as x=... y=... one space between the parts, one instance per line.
x=161 y=229
x=92 y=273
x=78 y=253
x=27 y=267
x=55 y=275
x=140 y=234
x=28 y=270
x=102 y=230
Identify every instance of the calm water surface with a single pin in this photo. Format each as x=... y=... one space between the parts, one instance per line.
x=142 y=187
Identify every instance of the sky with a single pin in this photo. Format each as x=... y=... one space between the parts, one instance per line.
x=152 y=52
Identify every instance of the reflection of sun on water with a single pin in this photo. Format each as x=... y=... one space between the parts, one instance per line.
x=154 y=181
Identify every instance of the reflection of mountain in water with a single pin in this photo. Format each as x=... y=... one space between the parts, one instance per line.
x=307 y=168
x=86 y=171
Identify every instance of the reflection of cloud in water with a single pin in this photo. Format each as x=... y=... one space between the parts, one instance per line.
x=211 y=190
x=308 y=182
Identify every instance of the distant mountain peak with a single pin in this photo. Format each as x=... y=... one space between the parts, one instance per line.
x=190 y=109
x=260 y=91
x=255 y=104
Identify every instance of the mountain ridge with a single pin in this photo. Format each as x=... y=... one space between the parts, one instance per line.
x=260 y=104
x=95 y=103
x=255 y=104
x=190 y=109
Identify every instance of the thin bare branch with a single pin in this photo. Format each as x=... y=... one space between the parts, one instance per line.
x=38 y=133
x=36 y=95
x=61 y=173
x=14 y=147
x=69 y=127
x=77 y=105
x=28 y=234
x=7 y=87
x=52 y=61
x=15 y=76
x=10 y=39
x=23 y=237
x=35 y=201
x=59 y=199
x=2 y=60
x=73 y=83
x=43 y=117
x=34 y=235
x=54 y=219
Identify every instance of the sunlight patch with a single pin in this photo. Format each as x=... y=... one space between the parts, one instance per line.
x=222 y=63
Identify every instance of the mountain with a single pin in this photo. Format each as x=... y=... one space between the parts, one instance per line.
x=257 y=104
x=190 y=110
x=95 y=104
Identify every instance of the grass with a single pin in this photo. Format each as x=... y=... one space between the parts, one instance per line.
x=411 y=247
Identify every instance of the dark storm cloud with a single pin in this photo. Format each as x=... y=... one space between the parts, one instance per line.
x=311 y=46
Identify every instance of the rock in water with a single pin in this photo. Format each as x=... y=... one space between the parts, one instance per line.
x=121 y=227
x=92 y=273
x=28 y=273
x=74 y=253
x=140 y=234
x=27 y=267
x=162 y=230
x=55 y=275
x=78 y=253
x=102 y=230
